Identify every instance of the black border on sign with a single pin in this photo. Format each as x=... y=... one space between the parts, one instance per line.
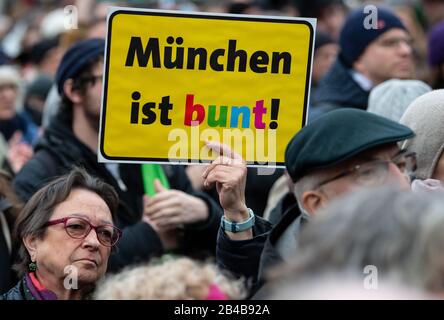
x=194 y=16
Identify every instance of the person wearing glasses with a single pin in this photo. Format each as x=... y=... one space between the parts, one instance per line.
x=67 y=234
x=375 y=46
x=341 y=151
x=178 y=219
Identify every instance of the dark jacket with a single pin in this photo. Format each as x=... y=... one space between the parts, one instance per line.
x=17 y=292
x=337 y=89
x=252 y=258
x=58 y=150
x=285 y=203
x=6 y=275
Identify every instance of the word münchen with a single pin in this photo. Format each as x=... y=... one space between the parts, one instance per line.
x=222 y=59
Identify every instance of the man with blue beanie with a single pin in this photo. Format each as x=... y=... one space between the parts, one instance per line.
x=374 y=47
x=71 y=139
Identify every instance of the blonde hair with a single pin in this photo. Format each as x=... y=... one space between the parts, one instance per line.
x=168 y=279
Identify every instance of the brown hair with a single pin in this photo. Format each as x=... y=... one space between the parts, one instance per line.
x=40 y=207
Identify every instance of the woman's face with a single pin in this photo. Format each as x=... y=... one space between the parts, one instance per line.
x=58 y=254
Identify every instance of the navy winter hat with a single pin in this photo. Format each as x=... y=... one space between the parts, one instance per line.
x=337 y=136
x=436 y=45
x=77 y=58
x=322 y=39
x=355 y=38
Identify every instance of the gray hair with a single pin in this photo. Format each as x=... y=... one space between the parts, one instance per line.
x=398 y=232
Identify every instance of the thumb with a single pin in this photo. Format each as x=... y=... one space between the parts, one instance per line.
x=158 y=186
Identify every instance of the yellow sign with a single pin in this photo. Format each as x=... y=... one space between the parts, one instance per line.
x=175 y=80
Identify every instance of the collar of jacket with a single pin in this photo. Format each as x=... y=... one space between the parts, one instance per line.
x=339 y=88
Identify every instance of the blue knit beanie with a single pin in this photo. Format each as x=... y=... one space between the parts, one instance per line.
x=355 y=38
x=77 y=58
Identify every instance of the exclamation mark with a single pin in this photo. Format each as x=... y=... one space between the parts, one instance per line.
x=274 y=113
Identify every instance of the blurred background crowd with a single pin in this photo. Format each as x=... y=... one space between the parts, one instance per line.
x=42 y=42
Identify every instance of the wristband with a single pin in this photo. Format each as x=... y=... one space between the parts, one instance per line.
x=238 y=226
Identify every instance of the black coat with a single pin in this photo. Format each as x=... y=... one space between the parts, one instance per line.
x=58 y=150
x=337 y=89
x=18 y=292
x=252 y=258
x=285 y=203
x=6 y=274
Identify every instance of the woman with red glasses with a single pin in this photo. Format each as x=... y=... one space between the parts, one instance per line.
x=67 y=234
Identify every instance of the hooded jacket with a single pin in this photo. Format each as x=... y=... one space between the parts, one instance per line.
x=425 y=116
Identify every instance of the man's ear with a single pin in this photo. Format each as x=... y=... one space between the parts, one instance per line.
x=31 y=243
x=72 y=93
x=312 y=201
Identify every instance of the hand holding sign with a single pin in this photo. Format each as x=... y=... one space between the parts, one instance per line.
x=229 y=173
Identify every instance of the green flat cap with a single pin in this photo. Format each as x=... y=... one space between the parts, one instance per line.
x=337 y=136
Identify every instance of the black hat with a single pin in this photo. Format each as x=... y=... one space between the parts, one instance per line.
x=38 y=51
x=77 y=58
x=322 y=39
x=338 y=136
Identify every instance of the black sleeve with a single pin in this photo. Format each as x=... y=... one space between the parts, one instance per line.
x=200 y=236
x=138 y=244
x=6 y=274
x=37 y=172
x=242 y=257
x=203 y=235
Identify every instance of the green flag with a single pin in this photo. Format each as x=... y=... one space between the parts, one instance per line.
x=151 y=172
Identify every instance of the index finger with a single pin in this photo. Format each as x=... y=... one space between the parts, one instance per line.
x=223 y=150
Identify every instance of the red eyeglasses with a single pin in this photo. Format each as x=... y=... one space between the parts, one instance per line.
x=79 y=228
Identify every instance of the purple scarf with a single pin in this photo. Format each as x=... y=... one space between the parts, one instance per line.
x=38 y=291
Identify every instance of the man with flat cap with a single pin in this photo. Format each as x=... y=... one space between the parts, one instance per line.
x=340 y=151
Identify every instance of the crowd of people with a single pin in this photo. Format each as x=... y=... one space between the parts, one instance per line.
x=357 y=212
